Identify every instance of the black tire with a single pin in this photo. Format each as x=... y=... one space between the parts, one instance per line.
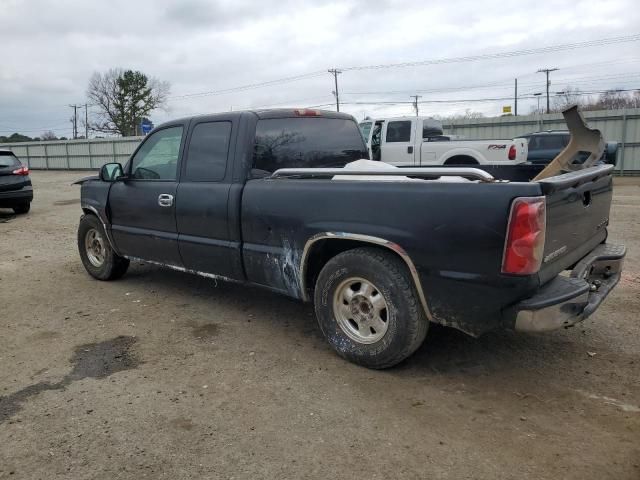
x=22 y=208
x=406 y=323
x=113 y=266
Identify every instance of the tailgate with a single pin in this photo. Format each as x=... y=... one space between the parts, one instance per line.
x=578 y=205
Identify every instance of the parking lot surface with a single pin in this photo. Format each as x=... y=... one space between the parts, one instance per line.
x=166 y=375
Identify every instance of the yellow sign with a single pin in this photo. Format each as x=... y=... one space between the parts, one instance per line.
x=506 y=109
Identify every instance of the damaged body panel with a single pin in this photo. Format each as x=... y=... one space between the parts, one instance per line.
x=251 y=197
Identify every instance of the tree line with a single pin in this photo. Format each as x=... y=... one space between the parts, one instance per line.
x=608 y=100
x=122 y=100
x=18 y=137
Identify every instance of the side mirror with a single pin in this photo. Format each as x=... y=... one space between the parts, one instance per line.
x=611 y=153
x=111 y=172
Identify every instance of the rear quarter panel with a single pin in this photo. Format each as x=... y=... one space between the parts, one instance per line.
x=454 y=233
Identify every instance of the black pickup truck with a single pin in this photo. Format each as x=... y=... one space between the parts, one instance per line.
x=253 y=197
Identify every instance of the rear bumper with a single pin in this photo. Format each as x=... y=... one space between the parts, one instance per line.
x=11 y=197
x=565 y=301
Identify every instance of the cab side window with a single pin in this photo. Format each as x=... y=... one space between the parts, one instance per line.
x=399 y=131
x=207 y=153
x=157 y=158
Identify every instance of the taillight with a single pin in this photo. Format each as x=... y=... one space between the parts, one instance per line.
x=512 y=152
x=525 y=236
x=21 y=171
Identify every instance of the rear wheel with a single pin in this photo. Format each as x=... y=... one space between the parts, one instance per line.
x=96 y=253
x=22 y=208
x=367 y=308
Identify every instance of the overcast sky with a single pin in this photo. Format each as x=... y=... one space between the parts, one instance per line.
x=50 y=49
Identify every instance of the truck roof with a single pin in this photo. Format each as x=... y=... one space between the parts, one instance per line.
x=406 y=117
x=267 y=113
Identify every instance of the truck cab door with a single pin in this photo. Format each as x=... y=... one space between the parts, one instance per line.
x=208 y=202
x=366 y=128
x=142 y=206
x=398 y=142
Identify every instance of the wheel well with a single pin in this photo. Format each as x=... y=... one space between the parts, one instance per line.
x=461 y=160
x=324 y=250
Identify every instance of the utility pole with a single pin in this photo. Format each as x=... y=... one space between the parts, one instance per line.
x=547 y=71
x=86 y=121
x=75 y=120
x=415 y=102
x=335 y=72
x=515 y=97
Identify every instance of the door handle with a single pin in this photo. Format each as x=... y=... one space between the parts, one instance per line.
x=165 y=200
x=409 y=149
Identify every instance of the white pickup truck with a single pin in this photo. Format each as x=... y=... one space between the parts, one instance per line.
x=419 y=141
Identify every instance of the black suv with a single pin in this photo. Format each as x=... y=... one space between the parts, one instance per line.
x=545 y=146
x=15 y=185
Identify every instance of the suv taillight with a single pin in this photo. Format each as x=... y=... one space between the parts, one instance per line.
x=512 y=152
x=525 y=236
x=21 y=171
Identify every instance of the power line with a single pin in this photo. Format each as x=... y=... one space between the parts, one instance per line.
x=506 y=84
x=251 y=86
x=513 y=53
x=488 y=56
x=474 y=100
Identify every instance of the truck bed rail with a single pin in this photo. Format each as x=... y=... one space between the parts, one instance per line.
x=417 y=172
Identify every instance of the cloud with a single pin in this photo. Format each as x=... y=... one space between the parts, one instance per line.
x=52 y=48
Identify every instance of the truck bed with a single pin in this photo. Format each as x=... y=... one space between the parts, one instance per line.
x=454 y=233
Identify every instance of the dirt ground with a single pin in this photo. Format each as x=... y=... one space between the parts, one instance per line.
x=167 y=375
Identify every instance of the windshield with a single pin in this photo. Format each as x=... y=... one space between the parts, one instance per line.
x=306 y=143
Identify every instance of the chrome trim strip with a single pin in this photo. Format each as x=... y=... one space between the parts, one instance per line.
x=107 y=231
x=366 y=239
x=427 y=172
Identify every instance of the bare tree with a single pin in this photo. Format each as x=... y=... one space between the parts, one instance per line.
x=616 y=99
x=569 y=96
x=468 y=114
x=123 y=98
x=48 y=136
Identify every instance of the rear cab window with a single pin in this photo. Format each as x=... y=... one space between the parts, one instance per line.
x=306 y=142
x=548 y=142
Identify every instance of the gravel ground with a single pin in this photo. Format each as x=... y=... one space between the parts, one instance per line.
x=167 y=375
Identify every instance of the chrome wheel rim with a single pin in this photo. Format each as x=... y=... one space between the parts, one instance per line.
x=361 y=310
x=94 y=246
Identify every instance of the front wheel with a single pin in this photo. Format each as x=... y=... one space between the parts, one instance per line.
x=367 y=308
x=96 y=253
